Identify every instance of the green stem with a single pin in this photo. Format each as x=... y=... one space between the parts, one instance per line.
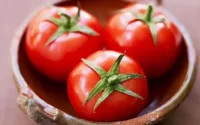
x=68 y=25
x=148 y=14
x=68 y=20
x=79 y=9
x=76 y=18
x=112 y=80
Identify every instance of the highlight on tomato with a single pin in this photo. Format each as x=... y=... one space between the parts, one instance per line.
x=107 y=86
x=147 y=35
x=58 y=37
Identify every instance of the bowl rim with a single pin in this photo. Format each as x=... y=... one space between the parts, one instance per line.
x=150 y=118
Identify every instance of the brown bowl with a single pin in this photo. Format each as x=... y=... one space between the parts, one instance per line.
x=47 y=103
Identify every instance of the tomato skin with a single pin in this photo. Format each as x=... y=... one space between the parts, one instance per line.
x=136 y=39
x=117 y=106
x=58 y=58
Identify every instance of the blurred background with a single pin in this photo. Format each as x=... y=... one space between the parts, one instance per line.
x=13 y=12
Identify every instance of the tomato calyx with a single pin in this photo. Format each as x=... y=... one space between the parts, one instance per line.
x=69 y=24
x=110 y=81
x=149 y=19
x=151 y=24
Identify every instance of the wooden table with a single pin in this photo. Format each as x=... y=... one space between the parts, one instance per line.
x=12 y=12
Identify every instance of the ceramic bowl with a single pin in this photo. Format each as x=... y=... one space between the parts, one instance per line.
x=47 y=103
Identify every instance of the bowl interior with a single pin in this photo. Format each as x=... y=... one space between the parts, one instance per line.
x=160 y=90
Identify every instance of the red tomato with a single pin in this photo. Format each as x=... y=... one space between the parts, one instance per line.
x=56 y=58
x=117 y=106
x=129 y=32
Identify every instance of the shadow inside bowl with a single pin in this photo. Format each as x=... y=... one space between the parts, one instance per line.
x=160 y=90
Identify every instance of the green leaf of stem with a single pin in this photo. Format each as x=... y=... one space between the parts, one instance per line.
x=58 y=33
x=66 y=20
x=65 y=17
x=101 y=85
x=125 y=77
x=115 y=67
x=122 y=89
x=152 y=27
x=104 y=95
x=56 y=21
x=100 y=71
x=84 y=29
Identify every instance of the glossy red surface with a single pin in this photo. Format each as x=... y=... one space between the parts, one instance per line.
x=57 y=59
x=13 y=12
x=117 y=106
x=125 y=33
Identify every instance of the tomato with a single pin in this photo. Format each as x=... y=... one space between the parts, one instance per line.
x=150 y=38
x=93 y=87
x=58 y=37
